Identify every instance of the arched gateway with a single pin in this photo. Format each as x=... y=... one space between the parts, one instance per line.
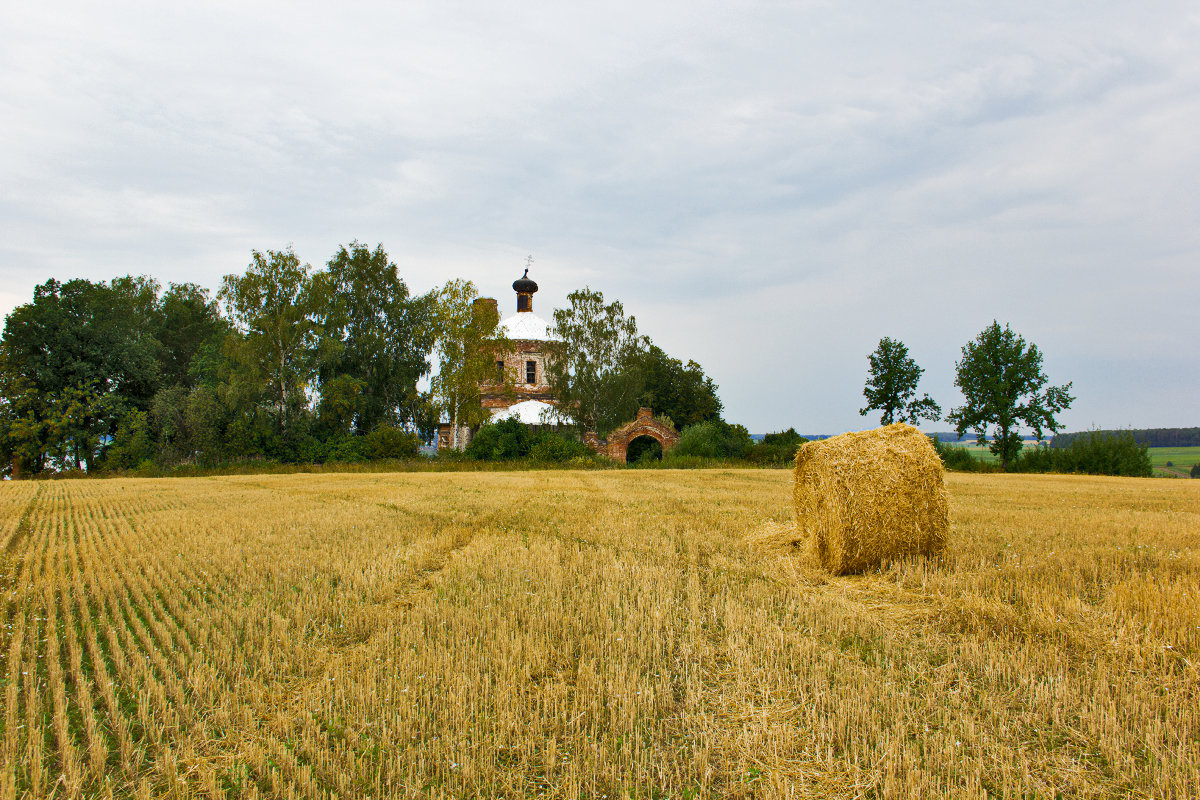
x=645 y=425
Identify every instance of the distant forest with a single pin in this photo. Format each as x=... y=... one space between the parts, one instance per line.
x=1151 y=437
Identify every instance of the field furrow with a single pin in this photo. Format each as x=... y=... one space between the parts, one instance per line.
x=566 y=634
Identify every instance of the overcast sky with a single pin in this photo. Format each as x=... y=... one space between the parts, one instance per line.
x=770 y=187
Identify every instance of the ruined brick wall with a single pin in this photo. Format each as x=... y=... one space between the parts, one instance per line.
x=617 y=445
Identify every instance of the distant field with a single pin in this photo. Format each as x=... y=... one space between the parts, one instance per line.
x=590 y=634
x=1181 y=457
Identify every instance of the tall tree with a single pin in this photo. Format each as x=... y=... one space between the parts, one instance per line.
x=1002 y=381
x=595 y=376
x=677 y=390
x=468 y=341
x=272 y=308
x=892 y=386
x=190 y=327
x=375 y=333
x=73 y=362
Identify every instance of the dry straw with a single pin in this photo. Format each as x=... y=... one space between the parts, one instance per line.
x=869 y=496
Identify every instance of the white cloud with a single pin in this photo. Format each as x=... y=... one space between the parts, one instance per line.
x=816 y=175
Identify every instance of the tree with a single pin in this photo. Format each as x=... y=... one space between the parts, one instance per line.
x=682 y=392
x=375 y=333
x=1002 y=381
x=272 y=307
x=468 y=340
x=892 y=386
x=190 y=326
x=595 y=377
x=73 y=362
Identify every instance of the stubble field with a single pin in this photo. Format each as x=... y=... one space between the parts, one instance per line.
x=590 y=634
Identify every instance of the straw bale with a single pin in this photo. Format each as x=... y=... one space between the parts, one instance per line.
x=868 y=496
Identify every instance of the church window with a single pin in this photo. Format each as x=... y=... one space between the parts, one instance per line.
x=531 y=372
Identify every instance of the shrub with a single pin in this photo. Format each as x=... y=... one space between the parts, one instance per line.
x=713 y=439
x=1105 y=453
x=504 y=440
x=558 y=448
x=1091 y=453
x=388 y=442
x=1195 y=473
x=775 y=448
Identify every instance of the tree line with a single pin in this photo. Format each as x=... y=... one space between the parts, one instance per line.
x=1151 y=437
x=293 y=364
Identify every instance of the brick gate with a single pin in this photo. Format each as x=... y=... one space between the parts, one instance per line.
x=645 y=425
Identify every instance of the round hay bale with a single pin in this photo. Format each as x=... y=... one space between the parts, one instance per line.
x=867 y=496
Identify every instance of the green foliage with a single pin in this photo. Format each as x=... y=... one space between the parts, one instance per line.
x=957 y=458
x=132 y=445
x=643 y=449
x=1002 y=380
x=892 y=386
x=504 y=440
x=775 y=449
x=191 y=329
x=275 y=355
x=1092 y=453
x=595 y=376
x=558 y=448
x=713 y=439
x=1195 y=471
x=72 y=362
x=389 y=442
x=676 y=390
x=468 y=339
x=374 y=333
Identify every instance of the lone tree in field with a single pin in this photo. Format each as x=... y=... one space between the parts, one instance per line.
x=1001 y=378
x=892 y=386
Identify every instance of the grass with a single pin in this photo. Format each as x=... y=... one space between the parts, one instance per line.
x=1181 y=458
x=616 y=633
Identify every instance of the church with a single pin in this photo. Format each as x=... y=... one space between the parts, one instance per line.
x=521 y=389
x=527 y=395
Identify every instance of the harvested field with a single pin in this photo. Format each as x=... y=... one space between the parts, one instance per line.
x=596 y=634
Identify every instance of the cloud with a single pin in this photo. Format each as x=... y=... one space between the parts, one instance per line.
x=812 y=176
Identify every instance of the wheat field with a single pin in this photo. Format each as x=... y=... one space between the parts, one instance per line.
x=590 y=634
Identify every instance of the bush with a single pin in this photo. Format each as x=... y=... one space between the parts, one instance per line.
x=775 y=448
x=504 y=440
x=1106 y=453
x=132 y=445
x=1091 y=453
x=388 y=442
x=1195 y=473
x=555 y=447
x=714 y=439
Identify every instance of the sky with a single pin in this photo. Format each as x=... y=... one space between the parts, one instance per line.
x=768 y=187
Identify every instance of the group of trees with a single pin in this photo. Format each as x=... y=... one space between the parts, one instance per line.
x=297 y=365
x=605 y=370
x=285 y=362
x=1001 y=380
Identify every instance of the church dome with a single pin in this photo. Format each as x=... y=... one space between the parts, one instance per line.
x=527 y=326
x=524 y=284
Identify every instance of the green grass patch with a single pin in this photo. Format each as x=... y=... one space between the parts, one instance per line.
x=1181 y=458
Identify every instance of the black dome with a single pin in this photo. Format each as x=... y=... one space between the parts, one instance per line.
x=523 y=285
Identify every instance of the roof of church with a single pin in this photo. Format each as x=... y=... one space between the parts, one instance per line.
x=527 y=412
x=529 y=326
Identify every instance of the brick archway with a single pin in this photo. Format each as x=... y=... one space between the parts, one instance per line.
x=617 y=443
